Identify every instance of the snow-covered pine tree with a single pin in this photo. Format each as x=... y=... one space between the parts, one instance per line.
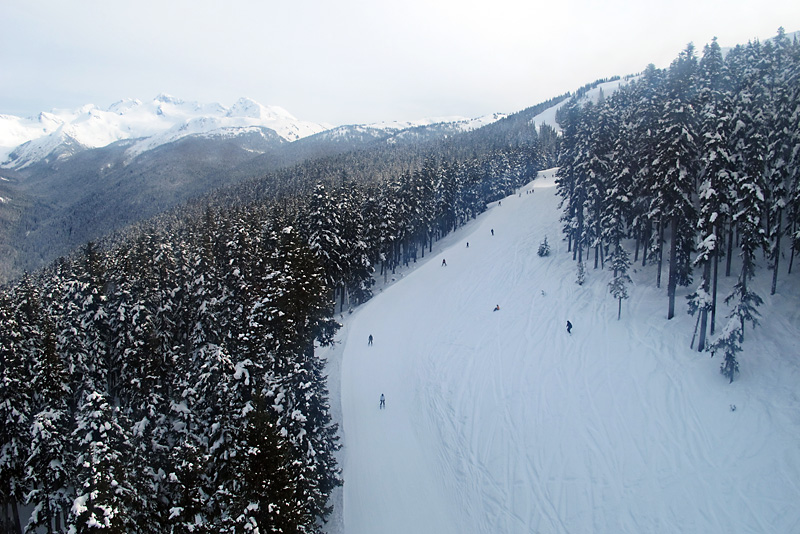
x=581 y=276
x=729 y=343
x=323 y=227
x=779 y=142
x=50 y=465
x=266 y=501
x=106 y=499
x=544 y=248
x=566 y=176
x=600 y=169
x=296 y=389
x=618 y=207
x=358 y=271
x=19 y=334
x=749 y=149
x=675 y=166
x=647 y=106
x=618 y=287
x=716 y=174
x=591 y=170
x=793 y=208
x=50 y=470
x=446 y=191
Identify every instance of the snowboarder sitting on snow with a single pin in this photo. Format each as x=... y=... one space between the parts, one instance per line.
x=496 y=308
x=370 y=340
x=569 y=327
x=383 y=402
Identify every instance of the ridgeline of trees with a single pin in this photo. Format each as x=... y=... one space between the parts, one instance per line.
x=166 y=380
x=702 y=158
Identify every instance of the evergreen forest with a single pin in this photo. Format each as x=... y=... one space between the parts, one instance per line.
x=694 y=164
x=165 y=378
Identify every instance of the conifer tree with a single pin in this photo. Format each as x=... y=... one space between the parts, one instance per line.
x=105 y=494
x=749 y=194
x=780 y=144
x=674 y=167
x=716 y=176
x=18 y=340
x=618 y=287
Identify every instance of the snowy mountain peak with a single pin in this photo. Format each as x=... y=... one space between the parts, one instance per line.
x=163 y=119
x=248 y=108
x=125 y=105
x=165 y=98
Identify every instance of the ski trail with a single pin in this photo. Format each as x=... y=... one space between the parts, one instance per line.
x=503 y=422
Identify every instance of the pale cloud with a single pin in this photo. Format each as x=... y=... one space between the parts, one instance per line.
x=352 y=61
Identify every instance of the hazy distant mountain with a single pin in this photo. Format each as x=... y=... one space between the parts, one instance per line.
x=55 y=136
x=59 y=134
x=74 y=176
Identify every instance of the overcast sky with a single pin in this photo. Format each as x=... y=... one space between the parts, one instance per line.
x=352 y=61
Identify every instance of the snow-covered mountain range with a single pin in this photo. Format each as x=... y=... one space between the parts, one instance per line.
x=62 y=133
x=59 y=134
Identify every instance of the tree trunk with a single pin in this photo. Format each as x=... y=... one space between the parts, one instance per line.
x=701 y=343
x=575 y=245
x=777 y=251
x=12 y=518
x=598 y=248
x=672 y=281
x=619 y=309
x=794 y=242
x=660 y=253
x=603 y=253
x=694 y=334
x=714 y=293
x=730 y=250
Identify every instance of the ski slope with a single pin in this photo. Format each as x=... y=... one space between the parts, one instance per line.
x=502 y=422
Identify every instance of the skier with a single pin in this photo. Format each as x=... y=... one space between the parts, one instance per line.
x=444 y=263
x=569 y=327
x=496 y=308
x=370 y=340
x=382 y=405
x=492 y=231
x=467 y=244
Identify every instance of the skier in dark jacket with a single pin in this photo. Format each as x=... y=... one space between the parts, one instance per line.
x=382 y=405
x=569 y=327
x=370 y=340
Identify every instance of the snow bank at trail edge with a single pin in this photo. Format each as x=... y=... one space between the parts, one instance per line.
x=502 y=422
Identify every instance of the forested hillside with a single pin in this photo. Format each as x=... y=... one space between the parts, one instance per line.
x=693 y=164
x=164 y=378
x=58 y=204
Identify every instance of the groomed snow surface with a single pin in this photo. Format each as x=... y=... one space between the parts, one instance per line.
x=501 y=422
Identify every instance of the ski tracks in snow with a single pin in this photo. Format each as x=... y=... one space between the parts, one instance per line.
x=503 y=422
